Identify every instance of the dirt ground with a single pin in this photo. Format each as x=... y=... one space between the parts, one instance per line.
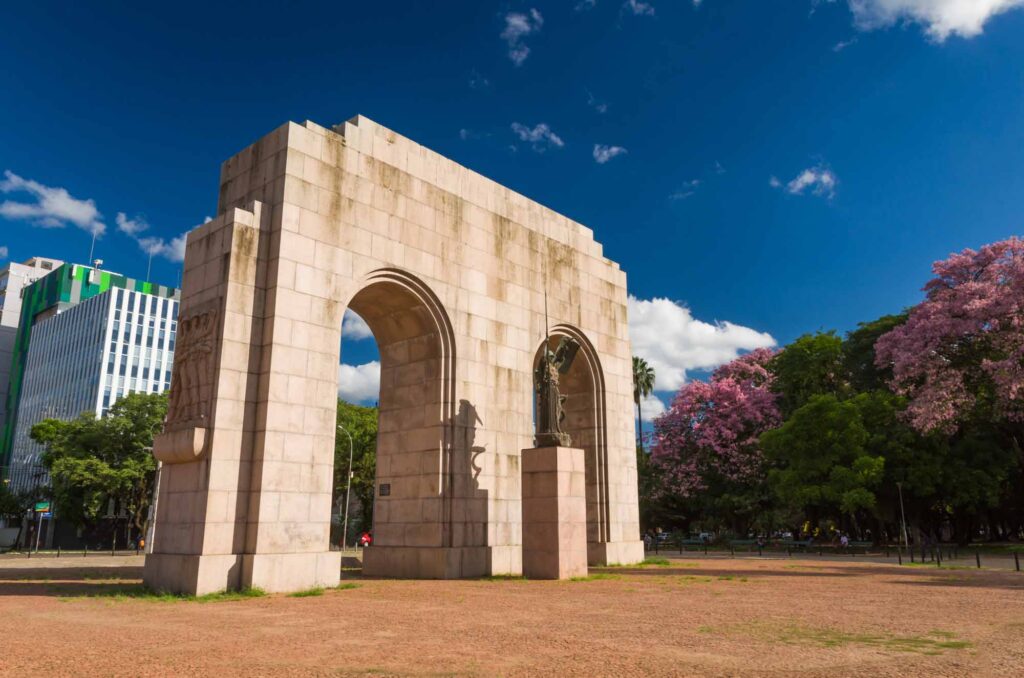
x=701 y=617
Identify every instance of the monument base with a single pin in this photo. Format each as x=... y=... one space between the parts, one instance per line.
x=615 y=553
x=193 y=575
x=416 y=562
x=272 y=572
x=554 y=513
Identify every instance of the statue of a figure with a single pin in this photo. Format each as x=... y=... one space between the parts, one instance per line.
x=551 y=403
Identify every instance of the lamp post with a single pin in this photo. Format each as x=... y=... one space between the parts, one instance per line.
x=348 y=488
x=903 y=516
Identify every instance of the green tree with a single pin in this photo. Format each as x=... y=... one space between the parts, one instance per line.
x=643 y=386
x=859 y=353
x=361 y=423
x=811 y=365
x=822 y=464
x=92 y=461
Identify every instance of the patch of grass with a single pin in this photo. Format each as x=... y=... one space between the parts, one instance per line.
x=933 y=566
x=308 y=593
x=931 y=643
x=143 y=593
x=346 y=586
x=504 y=577
x=597 y=576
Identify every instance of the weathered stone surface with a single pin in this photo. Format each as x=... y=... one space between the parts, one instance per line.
x=449 y=271
x=554 y=513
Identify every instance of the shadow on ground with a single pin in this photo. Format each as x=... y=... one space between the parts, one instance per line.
x=60 y=582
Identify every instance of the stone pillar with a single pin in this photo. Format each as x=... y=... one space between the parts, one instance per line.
x=554 y=513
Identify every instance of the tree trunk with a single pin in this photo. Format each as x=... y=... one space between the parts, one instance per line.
x=640 y=426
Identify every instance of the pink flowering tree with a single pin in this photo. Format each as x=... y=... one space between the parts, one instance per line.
x=712 y=428
x=960 y=355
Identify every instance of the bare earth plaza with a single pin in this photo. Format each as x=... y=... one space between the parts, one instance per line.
x=595 y=338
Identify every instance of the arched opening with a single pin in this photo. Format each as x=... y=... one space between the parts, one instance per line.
x=585 y=422
x=412 y=497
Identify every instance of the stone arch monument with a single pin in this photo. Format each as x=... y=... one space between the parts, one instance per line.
x=449 y=270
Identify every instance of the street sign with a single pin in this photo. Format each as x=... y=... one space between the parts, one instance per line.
x=42 y=507
x=46 y=515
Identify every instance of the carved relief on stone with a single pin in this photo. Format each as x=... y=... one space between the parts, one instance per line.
x=192 y=381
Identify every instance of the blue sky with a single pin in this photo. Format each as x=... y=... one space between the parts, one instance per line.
x=770 y=168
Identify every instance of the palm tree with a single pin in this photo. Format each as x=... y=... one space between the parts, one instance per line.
x=643 y=385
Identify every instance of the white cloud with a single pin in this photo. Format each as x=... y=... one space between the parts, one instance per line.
x=359 y=383
x=53 y=208
x=173 y=250
x=688 y=189
x=354 y=327
x=639 y=8
x=672 y=341
x=651 y=407
x=599 y=106
x=131 y=227
x=584 y=5
x=819 y=180
x=940 y=18
x=517 y=27
x=540 y=136
x=3 y=252
x=603 y=154
x=843 y=44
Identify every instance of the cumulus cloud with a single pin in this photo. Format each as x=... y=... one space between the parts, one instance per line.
x=939 y=18
x=517 y=27
x=173 y=250
x=359 y=383
x=818 y=180
x=540 y=137
x=672 y=341
x=53 y=207
x=131 y=227
x=599 y=106
x=651 y=407
x=3 y=252
x=603 y=154
x=354 y=327
x=638 y=8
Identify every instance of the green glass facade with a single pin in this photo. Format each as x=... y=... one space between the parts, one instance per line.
x=66 y=286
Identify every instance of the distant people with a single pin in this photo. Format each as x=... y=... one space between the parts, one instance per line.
x=648 y=541
x=365 y=539
x=844 y=541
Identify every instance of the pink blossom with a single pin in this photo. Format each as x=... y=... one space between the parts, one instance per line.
x=714 y=426
x=966 y=337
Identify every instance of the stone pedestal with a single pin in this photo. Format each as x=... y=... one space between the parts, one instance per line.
x=554 y=513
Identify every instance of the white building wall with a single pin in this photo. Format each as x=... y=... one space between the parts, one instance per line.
x=13 y=280
x=85 y=358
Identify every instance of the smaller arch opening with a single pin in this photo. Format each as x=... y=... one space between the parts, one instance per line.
x=583 y=386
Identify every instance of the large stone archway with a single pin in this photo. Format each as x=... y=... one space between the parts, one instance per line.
x=449 y=270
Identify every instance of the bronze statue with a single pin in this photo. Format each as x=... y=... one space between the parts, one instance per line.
x=550 y=402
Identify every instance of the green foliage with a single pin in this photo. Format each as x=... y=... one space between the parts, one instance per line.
x=94 y=460
x=361 y=424
x=812 y=365
x=14 y=504
x=820 y=456
x=859 y=353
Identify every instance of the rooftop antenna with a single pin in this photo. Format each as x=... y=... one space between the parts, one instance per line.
x=92 y=247
x=149 y=266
